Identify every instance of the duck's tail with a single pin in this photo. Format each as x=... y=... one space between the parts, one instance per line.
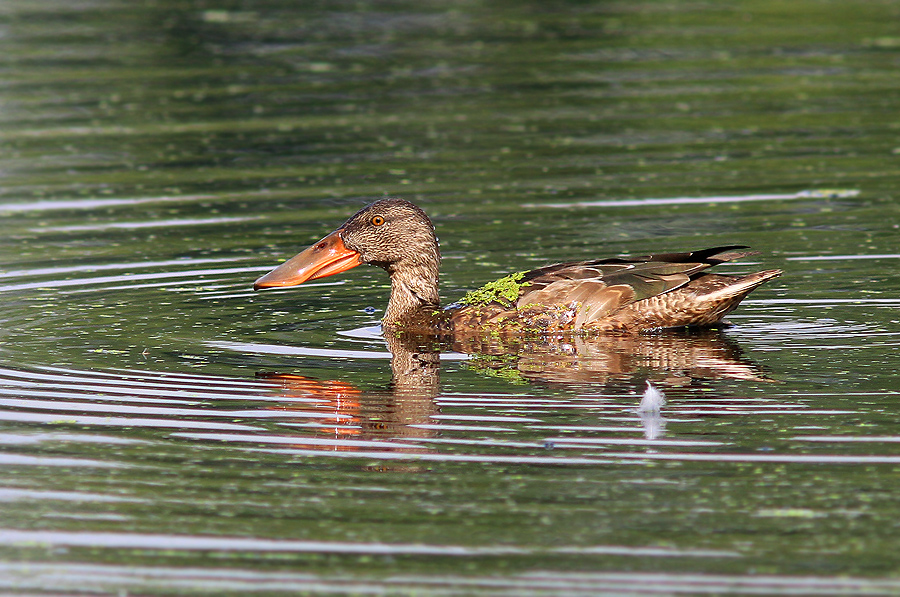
x=703 y=302
x=722 y=294
x=736 y=288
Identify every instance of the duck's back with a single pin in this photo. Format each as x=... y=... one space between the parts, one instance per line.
x=618 y=295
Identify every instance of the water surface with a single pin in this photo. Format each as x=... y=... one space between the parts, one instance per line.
x=164 y=430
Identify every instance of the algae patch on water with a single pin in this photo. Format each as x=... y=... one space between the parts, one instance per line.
x=505 y=291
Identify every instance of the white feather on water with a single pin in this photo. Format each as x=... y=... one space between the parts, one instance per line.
x=652 y=400
x=651 y=403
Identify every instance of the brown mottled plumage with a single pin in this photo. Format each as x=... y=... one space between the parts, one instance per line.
x=600 y=296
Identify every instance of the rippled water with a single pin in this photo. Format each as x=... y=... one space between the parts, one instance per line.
x=163 y=429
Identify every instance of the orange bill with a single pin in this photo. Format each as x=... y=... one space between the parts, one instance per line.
x=327 y=257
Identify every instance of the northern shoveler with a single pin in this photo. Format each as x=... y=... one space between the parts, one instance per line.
x=616 y=295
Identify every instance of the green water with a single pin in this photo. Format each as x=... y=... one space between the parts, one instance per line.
x=164 y=430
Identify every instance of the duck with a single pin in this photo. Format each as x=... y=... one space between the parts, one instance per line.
x=617 y=295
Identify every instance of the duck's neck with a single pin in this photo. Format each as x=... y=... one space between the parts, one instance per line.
x=414 y=289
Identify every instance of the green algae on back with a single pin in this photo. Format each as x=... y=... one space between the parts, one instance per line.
x=504 y=291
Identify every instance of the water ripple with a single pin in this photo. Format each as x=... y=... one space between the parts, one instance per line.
x=92 y=204
x=74 y=576
x=812 y=194
x=245 y=544
x=300 y=417
x=129 y=278
x=149 y=224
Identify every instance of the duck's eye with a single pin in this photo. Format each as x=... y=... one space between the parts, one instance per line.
x=377 y=220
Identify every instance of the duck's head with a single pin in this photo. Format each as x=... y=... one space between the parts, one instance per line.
x=390 y=233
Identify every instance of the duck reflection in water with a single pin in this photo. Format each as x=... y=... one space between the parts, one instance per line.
x=403 y=410
x=576 y=322
x=406 y=408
